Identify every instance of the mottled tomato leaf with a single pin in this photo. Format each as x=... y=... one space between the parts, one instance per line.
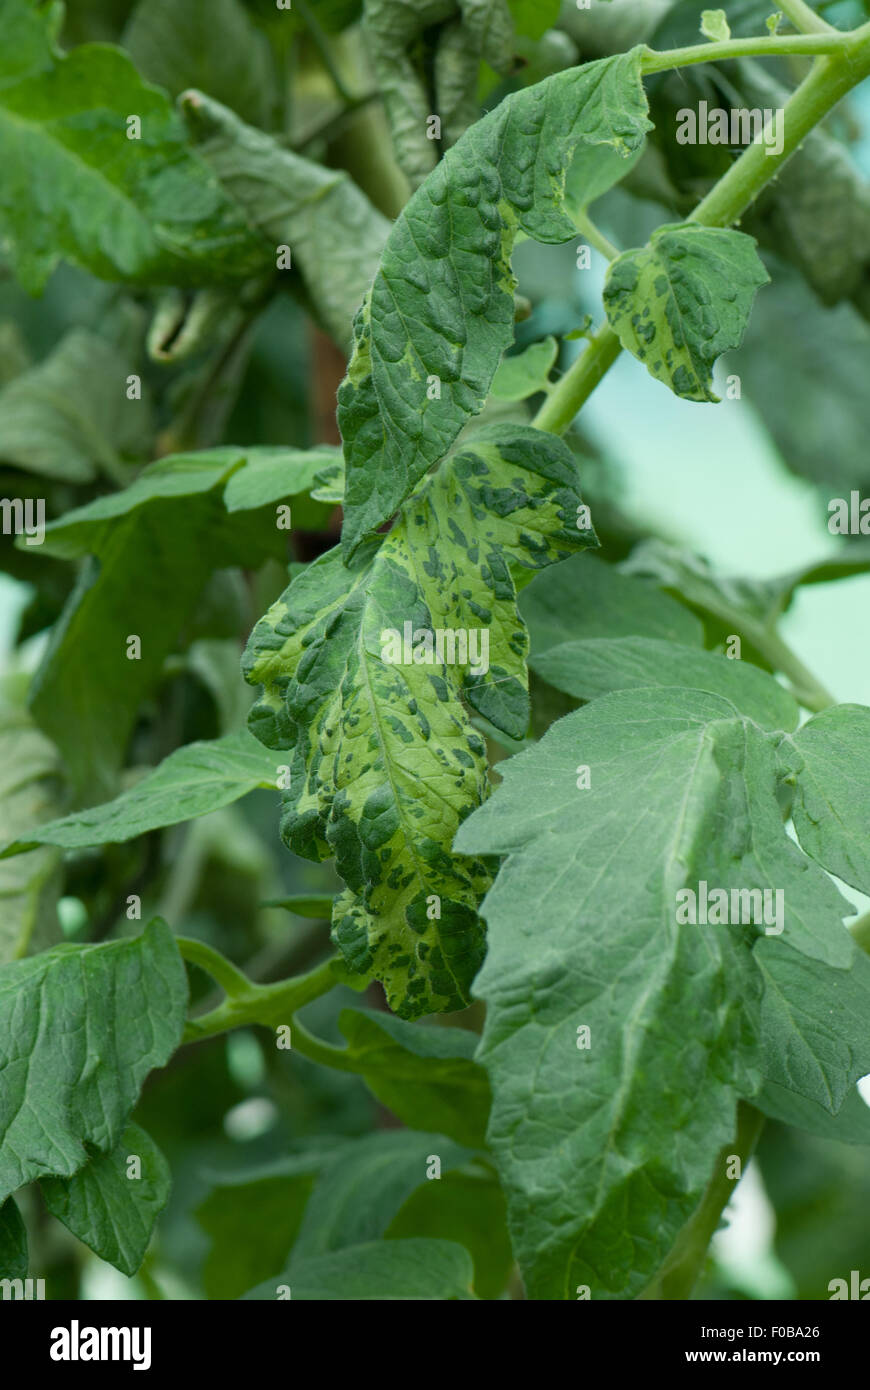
x=680 y=302
x=386 y=762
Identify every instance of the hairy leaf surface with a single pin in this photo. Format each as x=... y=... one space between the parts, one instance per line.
x=683 y=790
x=385 y=760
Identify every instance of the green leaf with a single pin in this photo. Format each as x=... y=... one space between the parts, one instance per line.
x=593 y=170
x=112 y=1209
x=74 y=186
x=212 y=44
x=252 y=1225
x=80 y=1029
x=851 y=1124
x=30 y=787
x=13 y=1242
x=334 y=233
x=827 y=761
x=714 y=25
x=816 y=1040
x=359 y=1191
x=613 y=605
x=385 y=760
x=156 y=543
x=271 y=475
x=193 y=781
x=442 y=302
x=397 y=1270
x=682 y=791
x=682 y=300
x=476 y=30
x=467 y=1207
x=426 y=1076
x=527 y=373
x=595 y=665
x=69 y=417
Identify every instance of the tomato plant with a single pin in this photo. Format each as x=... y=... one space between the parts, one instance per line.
x=423 y=874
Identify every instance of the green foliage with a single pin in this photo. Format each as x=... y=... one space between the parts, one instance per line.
x=74 y=186
x=592 y=807
x=80 y=1029
x=110 y=1204
x=608 y=947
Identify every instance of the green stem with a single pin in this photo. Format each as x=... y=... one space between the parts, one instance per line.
x=561 y=406
x=804 y=19
x=586 y=227
x=324 y=49
x=316 y=1050
x=770 y=46
x=680 y=1271
x=269 y=1005
x=231 y=980
x=860 y=930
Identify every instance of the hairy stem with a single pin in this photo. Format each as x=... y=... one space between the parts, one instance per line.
x=683 y=1266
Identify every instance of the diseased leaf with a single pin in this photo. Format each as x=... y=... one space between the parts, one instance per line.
x=385 y=760
x=212 y=44
x=334 y=233
x=828 y=762
x=357 y=1193
x=680 y=302
x=440 y=313
x=397 y=1270
x=30 y=789
x=595 y=665
x=111 y=1205
x=192 y=781
x=426 y=1076
x=13 y=1242
x=69 y=417
x=80 y=1029
x=682 y=791
x=73 y=185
